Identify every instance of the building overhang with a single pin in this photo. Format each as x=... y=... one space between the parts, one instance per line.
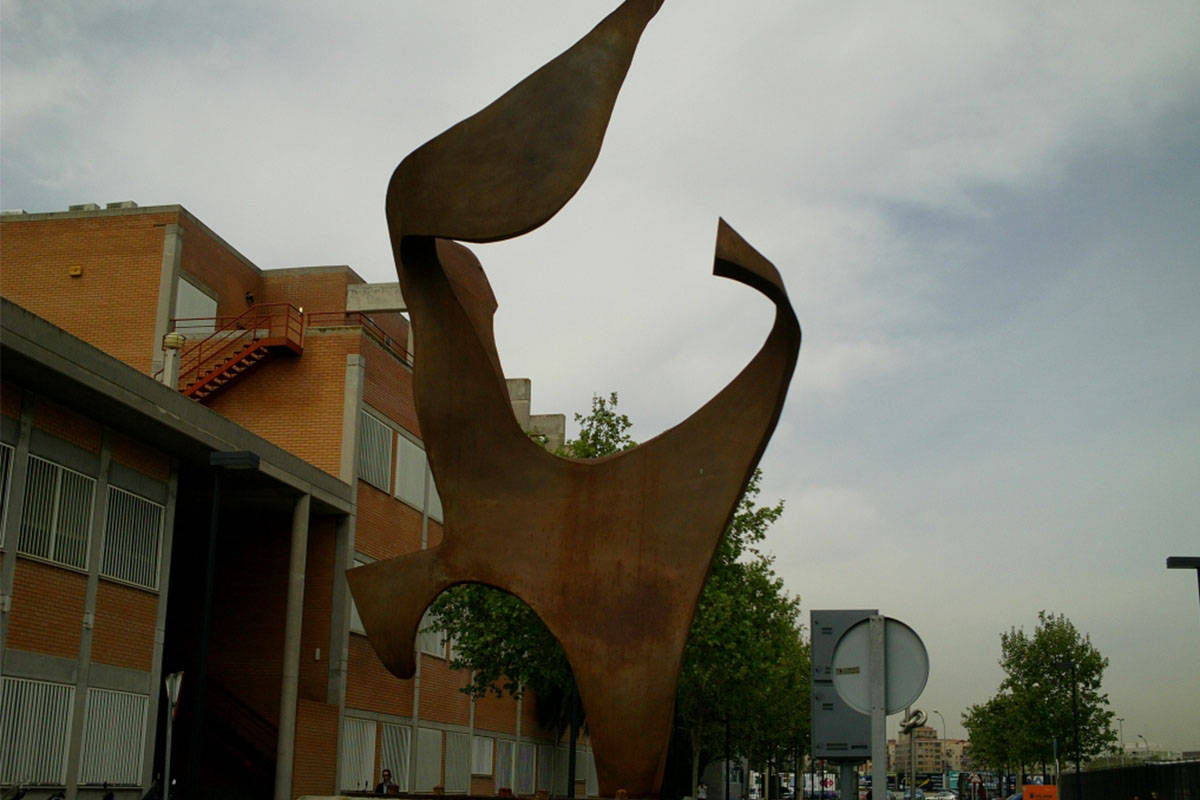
x=47 y=360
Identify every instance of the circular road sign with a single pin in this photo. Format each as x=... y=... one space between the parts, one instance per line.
x=906 y=666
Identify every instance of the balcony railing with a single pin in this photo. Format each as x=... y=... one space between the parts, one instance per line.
x=357 y=319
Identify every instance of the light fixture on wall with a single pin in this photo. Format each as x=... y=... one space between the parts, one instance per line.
x=249 y=298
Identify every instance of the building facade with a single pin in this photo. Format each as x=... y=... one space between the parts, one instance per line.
x=133 y=548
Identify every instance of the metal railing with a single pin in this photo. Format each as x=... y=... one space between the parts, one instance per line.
x=357 y=319
x=281 y=323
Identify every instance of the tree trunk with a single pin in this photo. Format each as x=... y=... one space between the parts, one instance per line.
x=697 y=731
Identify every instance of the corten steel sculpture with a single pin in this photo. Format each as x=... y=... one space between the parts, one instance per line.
x=612 y=554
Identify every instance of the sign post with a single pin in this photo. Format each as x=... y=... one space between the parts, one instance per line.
x=877 y=673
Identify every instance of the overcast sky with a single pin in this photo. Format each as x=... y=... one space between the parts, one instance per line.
x=987 y=216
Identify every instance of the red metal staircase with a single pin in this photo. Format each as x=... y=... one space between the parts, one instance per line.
x=236 y=346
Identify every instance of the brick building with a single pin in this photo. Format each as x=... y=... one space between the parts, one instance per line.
x=122 y=500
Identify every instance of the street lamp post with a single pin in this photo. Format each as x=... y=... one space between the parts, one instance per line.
x=1070 y=664
x=942 y=751
x=1185 y=562
x=1147 y=756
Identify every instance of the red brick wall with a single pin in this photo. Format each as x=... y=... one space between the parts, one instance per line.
x=370 y=686
x=10 y=400
x=114 y=302
x=296 y=402
x=385 y=526
x=66 y=424
x=440 y=699
x=316 y=290
x=47 y=609
x=388 y=387
x=496 y=714
x=139 y=456
x=218 y=267
x=318 y=599
x=124 y=632
x=316 y=753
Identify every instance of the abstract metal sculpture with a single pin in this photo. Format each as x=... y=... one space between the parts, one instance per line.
x=612 y=554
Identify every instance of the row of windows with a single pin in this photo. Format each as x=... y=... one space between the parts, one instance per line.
x=35 y=724
x=413 y=477
x=56 y=522
x=536 y=766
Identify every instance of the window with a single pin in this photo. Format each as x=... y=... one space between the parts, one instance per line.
x=592 y=783
x=431 y=639
x=397 y=745
x=410 y=473
x=429 y=759
x=114 y=738
x=358 y=754
x=435 y=501
x=57 y=519
x=458 y=756
x=35 y=717
x=562 y=756
x=545 y=767
x=481 y=755
x=504 y=763
x=6 y=458
x=375 y=452
x=194 y=310
x=132 y=538
x=526 y=760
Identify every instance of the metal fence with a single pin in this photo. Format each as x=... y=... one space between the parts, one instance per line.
x=1172 y=781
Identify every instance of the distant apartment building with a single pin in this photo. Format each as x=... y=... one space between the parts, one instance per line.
x=266 y=450
x=929 y=751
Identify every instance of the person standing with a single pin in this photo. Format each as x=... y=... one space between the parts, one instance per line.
x=386 y=786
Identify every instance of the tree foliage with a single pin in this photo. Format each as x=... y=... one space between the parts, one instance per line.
x=1033 y=707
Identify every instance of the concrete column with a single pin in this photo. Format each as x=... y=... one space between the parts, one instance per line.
x=12 y=522
x=160 y=624
x=351 y=412
x=290 y=685
x=167 y=281
x=95 y=550
x=343 y=559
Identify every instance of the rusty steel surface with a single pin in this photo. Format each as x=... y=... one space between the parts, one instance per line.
x=611 y=553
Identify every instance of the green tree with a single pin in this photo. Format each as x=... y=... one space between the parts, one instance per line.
x=994 y=729
x=1034 y=706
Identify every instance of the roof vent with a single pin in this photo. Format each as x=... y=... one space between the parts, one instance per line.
x=122 y=204
x=84 y=207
